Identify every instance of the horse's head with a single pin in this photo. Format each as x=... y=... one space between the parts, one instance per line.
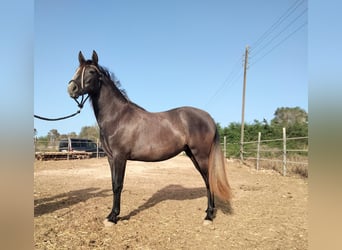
x=87 y=77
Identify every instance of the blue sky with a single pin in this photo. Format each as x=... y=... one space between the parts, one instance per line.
x=173 y=53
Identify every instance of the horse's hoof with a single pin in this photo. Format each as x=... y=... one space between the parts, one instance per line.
x=207 y=222
x=108 y=223
x=112 y=218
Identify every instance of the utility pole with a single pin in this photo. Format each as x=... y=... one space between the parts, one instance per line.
x=243 y=102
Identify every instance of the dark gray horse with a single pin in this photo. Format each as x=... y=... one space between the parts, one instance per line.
x=128 y=132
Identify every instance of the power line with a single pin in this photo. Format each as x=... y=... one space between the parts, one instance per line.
x=232 y=77
x=279 y=33
x=236 y=73
x=276 y=24
x=279 y=43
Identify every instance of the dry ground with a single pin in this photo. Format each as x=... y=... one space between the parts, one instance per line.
x=163 y=208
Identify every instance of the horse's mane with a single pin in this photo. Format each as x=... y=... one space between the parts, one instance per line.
x=115 y=83
x=114 y=80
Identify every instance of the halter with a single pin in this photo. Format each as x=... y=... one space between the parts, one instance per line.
x=82 y=76
x=83 y=71
x=79 y=104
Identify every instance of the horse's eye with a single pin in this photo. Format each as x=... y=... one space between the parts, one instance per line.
x=92 y=71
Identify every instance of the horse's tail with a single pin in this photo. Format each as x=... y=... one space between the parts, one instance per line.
x=218 y=180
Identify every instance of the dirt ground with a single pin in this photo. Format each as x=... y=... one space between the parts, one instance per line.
x=163 y=207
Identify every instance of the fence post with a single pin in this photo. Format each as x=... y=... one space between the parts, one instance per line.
x=225 y=146
x=284 y=151
x=258 y=150
x=97 y=148
x=69 y=148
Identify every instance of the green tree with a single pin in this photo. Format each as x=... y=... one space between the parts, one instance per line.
x=286 y=117
x=90 y=132
x=294 y=119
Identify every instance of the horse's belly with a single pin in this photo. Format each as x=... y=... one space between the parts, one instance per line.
x=156 y=151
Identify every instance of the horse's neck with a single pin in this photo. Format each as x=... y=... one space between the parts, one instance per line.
x=108 y=102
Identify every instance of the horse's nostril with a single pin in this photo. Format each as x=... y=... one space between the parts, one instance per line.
x=72 y=88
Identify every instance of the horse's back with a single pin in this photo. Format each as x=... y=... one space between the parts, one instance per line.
x=196 y=120
x=198 y=125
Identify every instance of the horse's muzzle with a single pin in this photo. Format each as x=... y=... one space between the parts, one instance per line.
x=73 y=89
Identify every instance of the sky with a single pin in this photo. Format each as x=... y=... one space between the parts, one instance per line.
x=168 y=54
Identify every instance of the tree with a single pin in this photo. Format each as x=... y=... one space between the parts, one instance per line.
x=69 y=135
x=286 y=117
x=35 y=134
x=90 y=132
x=294 y=119
x=53 y=134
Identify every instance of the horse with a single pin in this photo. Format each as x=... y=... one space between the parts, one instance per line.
x=129 y=132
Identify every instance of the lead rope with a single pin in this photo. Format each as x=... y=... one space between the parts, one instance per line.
x=80 y=105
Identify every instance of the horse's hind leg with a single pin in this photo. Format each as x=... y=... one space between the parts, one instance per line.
x=201 y=164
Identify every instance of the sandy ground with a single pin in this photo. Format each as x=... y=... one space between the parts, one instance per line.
x=163 y=207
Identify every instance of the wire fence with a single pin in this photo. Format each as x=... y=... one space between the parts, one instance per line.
x=285 y=155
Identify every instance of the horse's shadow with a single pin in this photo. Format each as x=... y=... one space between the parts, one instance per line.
x=50 y=204
x=178 y=193
x=171 y=192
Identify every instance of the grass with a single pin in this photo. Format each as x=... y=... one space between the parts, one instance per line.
x=296 y=164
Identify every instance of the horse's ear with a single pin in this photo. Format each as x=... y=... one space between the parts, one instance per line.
x=81 y=58
x=95 y=58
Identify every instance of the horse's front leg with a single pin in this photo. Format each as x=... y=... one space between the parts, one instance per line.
x=117 y=167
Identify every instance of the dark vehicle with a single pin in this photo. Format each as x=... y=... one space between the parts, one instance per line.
x=76 y=144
